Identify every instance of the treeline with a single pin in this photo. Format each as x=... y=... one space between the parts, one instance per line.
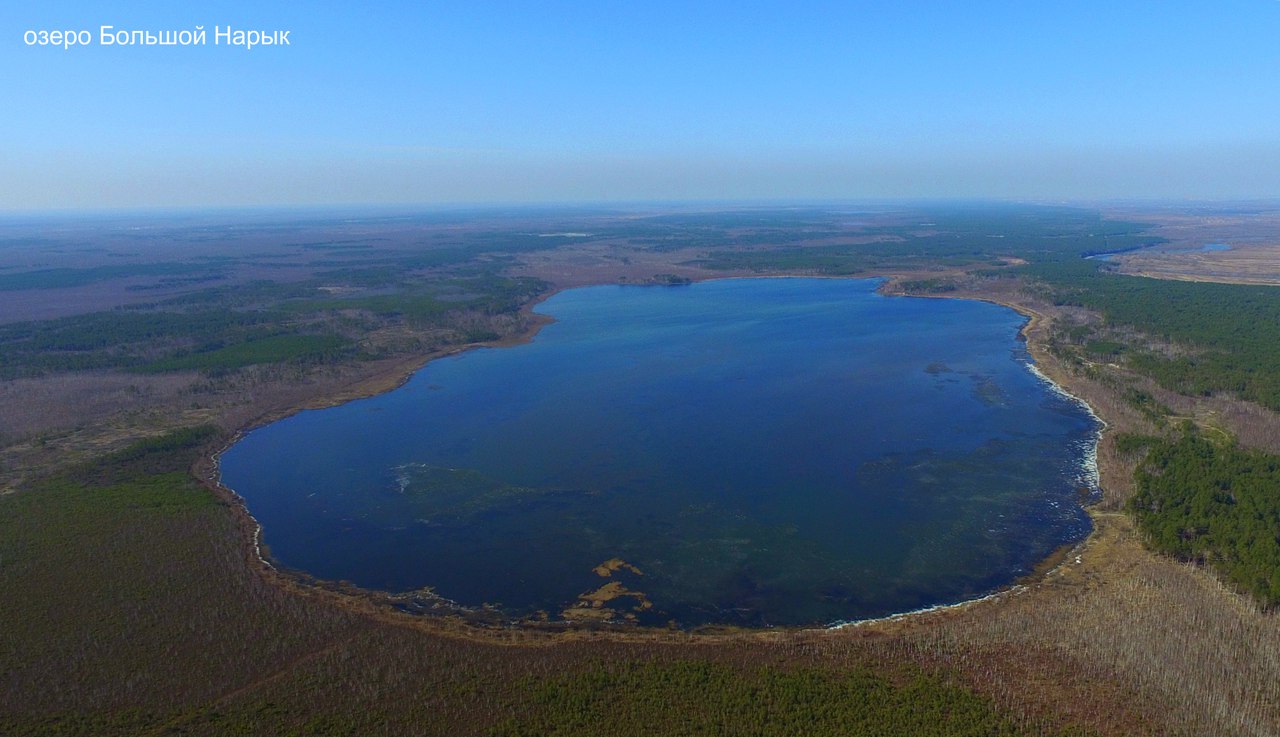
x=221 y=329
x=171 y=452
x=1215 y=504
x=130 y=543
x=161 y=339
x=971 y=236
x=1208 y=502
x=1218 y=337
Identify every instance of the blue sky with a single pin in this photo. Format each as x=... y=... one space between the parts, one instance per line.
x=502 y=102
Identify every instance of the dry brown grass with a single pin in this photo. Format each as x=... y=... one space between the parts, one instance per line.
x=1243 y=264
x=1254 y=237
x=58 y=403
x=1201 y=659
x=1119 y=640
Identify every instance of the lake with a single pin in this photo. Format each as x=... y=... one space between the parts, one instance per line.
x=744 y=451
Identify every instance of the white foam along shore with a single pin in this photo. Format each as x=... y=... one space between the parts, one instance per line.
x=1092 y=475
x=1092 y=479
x=215 y=477
x=1015 y=589
x=1089 y=464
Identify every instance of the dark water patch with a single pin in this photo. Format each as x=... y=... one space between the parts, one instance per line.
x=987 y=390
x=758 y=452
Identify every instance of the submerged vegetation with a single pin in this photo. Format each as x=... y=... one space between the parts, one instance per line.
x=122 y=572
x=132 y=603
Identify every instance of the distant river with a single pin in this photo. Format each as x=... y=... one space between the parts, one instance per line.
x=756 y=451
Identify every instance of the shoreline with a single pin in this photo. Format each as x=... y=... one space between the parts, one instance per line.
x=1063 y=555
x=207 y=470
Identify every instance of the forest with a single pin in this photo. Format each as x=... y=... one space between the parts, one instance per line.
x=1215 y=504
x=69 y=546
x=122 y=565
x=1199 y=338
x=973 y=238
x=220 y=329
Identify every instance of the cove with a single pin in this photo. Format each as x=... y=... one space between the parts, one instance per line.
x=743 y=451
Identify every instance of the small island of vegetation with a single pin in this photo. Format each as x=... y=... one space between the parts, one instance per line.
x=123 y=563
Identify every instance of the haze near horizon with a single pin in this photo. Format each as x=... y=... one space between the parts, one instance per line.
x=505 y=102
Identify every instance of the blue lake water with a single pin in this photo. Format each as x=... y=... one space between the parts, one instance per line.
x=759 y=451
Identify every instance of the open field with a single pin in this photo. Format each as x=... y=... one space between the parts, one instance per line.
x=135 y=602
x=1252 y=234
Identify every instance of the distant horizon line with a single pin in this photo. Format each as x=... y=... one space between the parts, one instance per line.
x=495 y=207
